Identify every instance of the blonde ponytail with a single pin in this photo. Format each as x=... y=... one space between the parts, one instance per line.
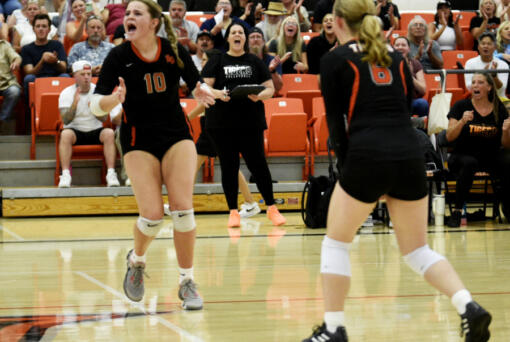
x=361 y=19
x=372 y=42
x=172 y=37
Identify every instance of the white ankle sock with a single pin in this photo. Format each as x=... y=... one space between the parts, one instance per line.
x=333 y=320
x=185 y=273
x=111 y=170
x=66 y=172
x=460 y=300
x=137 y=258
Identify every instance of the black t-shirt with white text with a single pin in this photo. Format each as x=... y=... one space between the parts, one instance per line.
x=229 y=72
x=482 y=135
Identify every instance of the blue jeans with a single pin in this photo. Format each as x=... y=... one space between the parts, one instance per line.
x=11 y=96
x=420 y=107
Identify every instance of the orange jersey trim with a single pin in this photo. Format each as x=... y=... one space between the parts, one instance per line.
x=139 y=55
x=355 y=90
x=403 y=76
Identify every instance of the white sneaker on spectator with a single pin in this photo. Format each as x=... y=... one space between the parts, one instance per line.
x=128 y=182
x=65 y=180
x=111 y=179
x=249 y=209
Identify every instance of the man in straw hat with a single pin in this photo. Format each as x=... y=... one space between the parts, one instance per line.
x=273 y=17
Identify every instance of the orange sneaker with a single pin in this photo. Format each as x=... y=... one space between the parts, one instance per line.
x=274 y=215
x=235 y=219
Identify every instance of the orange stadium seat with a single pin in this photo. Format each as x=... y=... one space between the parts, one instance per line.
x=282 y=105
x=299 y=82
x=302 y=86
x=43 y=102
x=287 y=135
x=469 y=40
x=465 y=18
x=405 y=18
x=319 y=132
x=452 y=86
x=450 y=58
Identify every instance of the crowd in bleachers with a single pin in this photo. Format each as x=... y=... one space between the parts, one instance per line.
x=289 y=37
x=95 y=27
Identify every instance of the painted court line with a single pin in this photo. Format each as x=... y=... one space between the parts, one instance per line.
x=140 y=307
x=16 y=236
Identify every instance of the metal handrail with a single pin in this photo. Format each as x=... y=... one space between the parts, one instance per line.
x=443 y=72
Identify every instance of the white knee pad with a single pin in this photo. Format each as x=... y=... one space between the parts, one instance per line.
x=422 y=258
x=335 y=257
x=149 y=227
x=184 y=220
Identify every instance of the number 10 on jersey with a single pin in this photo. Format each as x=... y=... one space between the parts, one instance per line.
x=155 y=82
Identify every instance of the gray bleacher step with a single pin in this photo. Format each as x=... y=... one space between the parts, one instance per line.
x=17 y=147
x=17 y=173
x=102 y=191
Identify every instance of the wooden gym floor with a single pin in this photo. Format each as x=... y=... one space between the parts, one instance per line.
x=61 y=280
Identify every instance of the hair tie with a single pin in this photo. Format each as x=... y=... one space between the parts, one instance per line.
x=364 y=15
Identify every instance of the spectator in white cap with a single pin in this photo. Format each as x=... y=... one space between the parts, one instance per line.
x=81 y=127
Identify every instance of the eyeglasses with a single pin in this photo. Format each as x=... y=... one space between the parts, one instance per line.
x=418 y=25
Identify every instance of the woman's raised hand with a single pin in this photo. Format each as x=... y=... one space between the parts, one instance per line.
x=204 y=95
x=467 y=116
x=120 y=92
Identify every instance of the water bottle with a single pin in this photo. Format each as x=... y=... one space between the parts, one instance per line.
x=438 y=206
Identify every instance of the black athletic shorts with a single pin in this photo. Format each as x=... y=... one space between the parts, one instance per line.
x=205 y=145
x=367 y=181
x=147 y=144
x=88 y=138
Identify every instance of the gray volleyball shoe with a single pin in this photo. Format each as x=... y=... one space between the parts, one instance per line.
x=133 y=281
x=189 y=295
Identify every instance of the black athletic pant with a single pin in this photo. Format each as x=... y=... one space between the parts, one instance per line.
x=250 y=143
x=465 y=166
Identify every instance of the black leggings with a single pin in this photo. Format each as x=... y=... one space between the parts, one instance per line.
x=229 y=143
x=465 y=166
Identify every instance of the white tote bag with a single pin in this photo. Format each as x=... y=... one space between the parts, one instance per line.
x=439 y=109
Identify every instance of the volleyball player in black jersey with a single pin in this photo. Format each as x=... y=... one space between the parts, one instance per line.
x=155 y=137
x=367 y=90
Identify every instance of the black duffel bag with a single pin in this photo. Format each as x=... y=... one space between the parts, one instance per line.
x=316 y=196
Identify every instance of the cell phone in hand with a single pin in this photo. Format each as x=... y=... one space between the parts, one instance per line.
x=88 y=7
